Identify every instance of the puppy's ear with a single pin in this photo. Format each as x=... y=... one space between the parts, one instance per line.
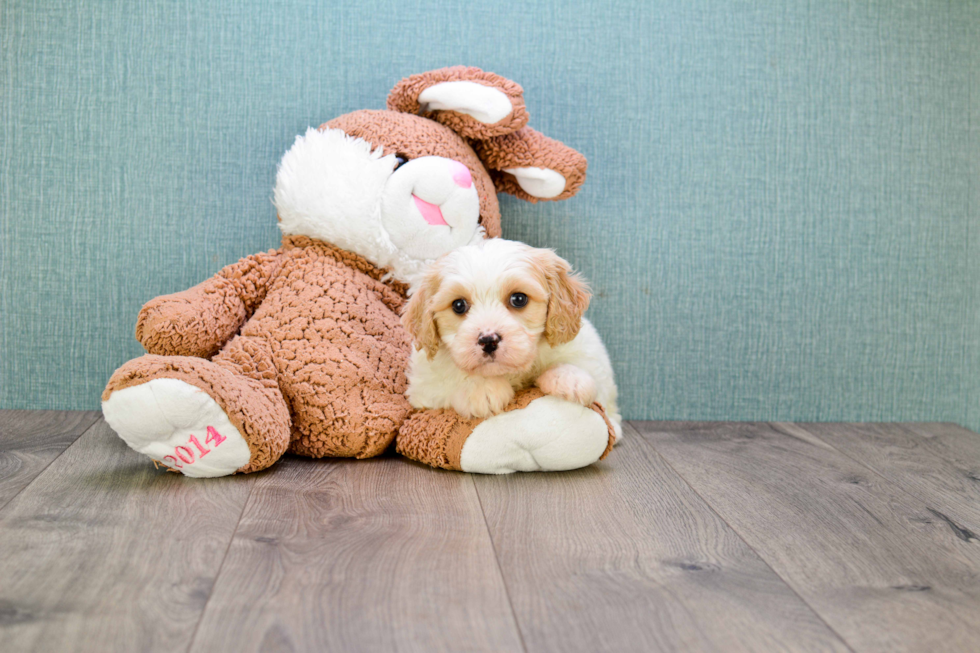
x=531 y=166
x=568 y=297
x=471 y=102
x=418 y=318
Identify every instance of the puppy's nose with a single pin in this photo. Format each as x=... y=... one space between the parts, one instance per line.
x=489 y=342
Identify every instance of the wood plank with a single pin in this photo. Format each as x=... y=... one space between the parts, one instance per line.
x=938 y=463
x=360 y=555
x=104 y=553
x=624 y=555
x=872 y=560
x=31 y=439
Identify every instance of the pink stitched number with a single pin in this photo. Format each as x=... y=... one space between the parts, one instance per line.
x=189 y=458
x=186 y=454
x=200 y=448
x=214 y=438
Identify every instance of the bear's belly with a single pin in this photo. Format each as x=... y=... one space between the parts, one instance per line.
x=340 y=353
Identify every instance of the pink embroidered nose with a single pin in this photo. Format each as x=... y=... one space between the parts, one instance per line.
x=461 y=175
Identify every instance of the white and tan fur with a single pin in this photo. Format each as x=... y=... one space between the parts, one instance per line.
x=546 y=342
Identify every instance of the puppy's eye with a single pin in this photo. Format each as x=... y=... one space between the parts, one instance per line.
x=518 y=300
x=460 y=306
x=400 y=161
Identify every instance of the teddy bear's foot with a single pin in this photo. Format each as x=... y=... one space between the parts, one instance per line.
x=195 y=416
x=536 y=433
x=178 y=425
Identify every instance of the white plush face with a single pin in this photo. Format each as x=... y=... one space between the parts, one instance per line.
x=430 y=206
x=335 y=188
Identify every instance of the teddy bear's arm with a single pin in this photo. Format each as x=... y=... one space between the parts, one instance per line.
x=200 y=320
x=535 y=432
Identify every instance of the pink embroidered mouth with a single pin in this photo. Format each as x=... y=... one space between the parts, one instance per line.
x=431 y=212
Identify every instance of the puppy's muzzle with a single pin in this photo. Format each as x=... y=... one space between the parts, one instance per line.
x=489 y=343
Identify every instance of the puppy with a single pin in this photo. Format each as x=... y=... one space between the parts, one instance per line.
x=498 y=316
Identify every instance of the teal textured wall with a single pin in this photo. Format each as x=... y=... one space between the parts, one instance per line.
x=780 y=221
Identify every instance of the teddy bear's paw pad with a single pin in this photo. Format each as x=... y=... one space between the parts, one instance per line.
x=549 y=434
x=179 y=425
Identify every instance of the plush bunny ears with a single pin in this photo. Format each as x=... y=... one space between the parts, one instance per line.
x=489 y=110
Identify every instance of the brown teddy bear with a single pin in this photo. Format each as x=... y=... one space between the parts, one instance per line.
x=301 y=349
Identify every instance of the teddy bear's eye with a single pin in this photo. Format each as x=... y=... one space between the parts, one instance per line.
x=460 y=306
x=518 y=300
x=400 y=161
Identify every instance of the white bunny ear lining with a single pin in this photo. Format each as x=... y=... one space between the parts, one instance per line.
x=531 y=166
x=542 y=183
x=473 y=103
x=483 y=103
x=488 y=111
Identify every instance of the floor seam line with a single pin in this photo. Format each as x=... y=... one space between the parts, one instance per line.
x=636 y=433
x=51 y=462
x=217 y=575
x=891 y=481
x=500 y=570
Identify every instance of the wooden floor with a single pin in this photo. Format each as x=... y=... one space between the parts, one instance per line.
x=690 y=536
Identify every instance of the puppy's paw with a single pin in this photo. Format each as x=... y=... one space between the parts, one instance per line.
x=482 y=398
x=568 y=382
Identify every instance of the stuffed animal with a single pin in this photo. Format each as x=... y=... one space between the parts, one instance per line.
x=301 y=349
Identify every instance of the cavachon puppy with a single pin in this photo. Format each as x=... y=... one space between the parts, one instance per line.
x=499 y=316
